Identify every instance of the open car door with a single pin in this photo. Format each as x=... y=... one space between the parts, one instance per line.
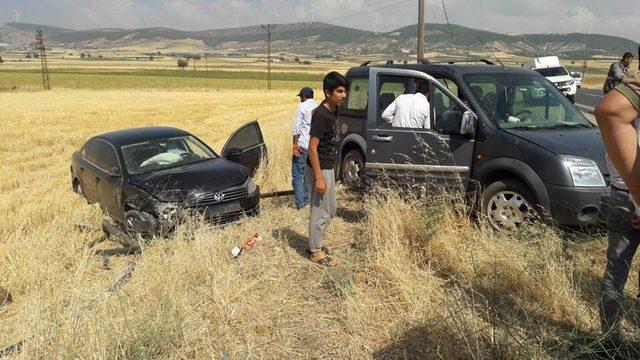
x=246 y=147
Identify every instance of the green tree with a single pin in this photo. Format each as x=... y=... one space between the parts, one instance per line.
x=183 y=63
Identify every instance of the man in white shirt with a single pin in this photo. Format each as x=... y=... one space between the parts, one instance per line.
x=301 y=145
x=410 y=110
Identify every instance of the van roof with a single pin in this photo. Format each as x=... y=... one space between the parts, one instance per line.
x=452 y=69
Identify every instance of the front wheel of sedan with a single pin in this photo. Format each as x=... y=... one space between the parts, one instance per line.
x=508 y=204
x=140 y=224
x=77 y=187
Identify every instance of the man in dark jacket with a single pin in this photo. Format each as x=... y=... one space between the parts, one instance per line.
x=617 y=72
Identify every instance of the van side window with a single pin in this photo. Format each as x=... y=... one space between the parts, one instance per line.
x=403 y=102
x=446 y=113
x=357 y=97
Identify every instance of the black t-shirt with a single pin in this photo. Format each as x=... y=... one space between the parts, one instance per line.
x=324 y=126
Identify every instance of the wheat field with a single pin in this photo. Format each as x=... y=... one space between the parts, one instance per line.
x=417 y=278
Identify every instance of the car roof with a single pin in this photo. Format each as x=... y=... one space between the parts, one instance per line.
x=136 y=135
x=453 y=69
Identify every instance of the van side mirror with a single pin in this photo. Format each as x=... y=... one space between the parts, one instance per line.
x=468 y=123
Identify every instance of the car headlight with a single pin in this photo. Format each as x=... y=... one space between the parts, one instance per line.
x=570 y=82
x=584 y=172
x=251 y=186
x=167 y=211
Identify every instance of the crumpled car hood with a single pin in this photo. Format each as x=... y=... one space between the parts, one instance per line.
x=180 y=184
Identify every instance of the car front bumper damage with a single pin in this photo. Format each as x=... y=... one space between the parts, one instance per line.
x=222 y=213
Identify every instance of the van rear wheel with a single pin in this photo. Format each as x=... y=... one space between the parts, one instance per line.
x=508 y=204
x=352 y=168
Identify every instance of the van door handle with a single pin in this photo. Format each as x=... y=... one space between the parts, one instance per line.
x=382 y=138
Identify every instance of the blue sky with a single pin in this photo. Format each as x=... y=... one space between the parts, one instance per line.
x=621 y=18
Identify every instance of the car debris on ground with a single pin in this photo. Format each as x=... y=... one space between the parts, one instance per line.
x=5 y=296
x=124 y=278
x=11 y=349
x=248 y=244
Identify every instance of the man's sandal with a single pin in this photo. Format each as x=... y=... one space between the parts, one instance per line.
x=325 y=260
x=324 y=249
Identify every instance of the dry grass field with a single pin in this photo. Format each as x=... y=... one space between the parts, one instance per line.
x=417 y=279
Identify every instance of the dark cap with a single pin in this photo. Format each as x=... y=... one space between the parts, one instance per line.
x=306 y=91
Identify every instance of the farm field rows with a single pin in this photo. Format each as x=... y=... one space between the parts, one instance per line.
x=416 y=279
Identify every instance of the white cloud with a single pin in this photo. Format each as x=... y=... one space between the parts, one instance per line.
x=523 y=16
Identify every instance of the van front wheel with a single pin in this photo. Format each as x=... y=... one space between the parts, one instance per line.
x=508 y=204
x=351 y=169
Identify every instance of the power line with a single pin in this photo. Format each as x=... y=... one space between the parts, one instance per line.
x=373 y=9
x=448 y=23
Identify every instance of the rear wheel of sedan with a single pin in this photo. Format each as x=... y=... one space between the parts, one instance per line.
x=351 y=169
x=508 y=204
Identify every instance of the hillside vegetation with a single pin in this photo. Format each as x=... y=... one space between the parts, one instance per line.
x=328 y=39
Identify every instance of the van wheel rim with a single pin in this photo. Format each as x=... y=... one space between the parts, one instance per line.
x=508 y=210
x=352 y=171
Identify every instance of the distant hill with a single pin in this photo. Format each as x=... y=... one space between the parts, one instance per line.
x=326 y=39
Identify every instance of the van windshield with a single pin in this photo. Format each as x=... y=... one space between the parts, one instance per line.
x=552 y=71
x=524 y=101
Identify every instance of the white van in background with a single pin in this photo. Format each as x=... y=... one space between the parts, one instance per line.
x=550 y=68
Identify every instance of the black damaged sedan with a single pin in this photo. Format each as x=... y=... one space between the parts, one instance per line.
x=148 y=179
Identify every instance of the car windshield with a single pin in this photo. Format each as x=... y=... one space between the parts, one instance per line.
x=576 y=75
x=158 y=154
x=524 y=101
x=552 y=71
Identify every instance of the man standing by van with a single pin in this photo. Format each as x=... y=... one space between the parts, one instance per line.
x=617 y=71
x=301 y=145
x=616 y=116
x=410 y=110
x=323 y=143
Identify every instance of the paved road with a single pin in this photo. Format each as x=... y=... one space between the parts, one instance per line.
x=588 y=97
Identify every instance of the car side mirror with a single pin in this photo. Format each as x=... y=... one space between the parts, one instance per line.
x=468 y=123
x=114 y=172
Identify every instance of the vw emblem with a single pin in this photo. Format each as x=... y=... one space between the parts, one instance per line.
x=218 y=196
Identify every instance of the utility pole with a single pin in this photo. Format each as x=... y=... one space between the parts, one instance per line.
x=46 y=84
x=420 y=29
x=269 y=28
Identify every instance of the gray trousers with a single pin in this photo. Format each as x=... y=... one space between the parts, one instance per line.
x=323 y=207
x=623 y=243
